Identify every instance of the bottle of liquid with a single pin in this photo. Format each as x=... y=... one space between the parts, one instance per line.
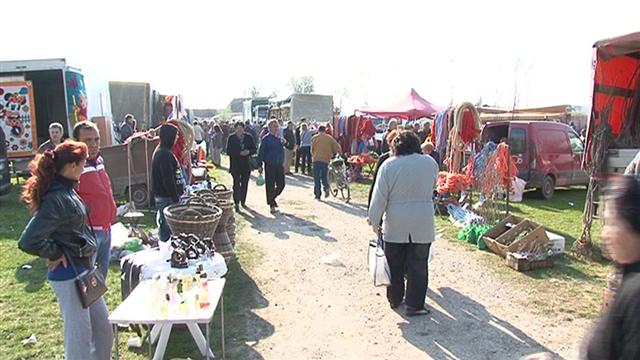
x=204 y=294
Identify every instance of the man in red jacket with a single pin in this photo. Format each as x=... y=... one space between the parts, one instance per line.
x=95 y=190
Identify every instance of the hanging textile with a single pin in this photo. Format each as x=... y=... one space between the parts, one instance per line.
x=366 y=128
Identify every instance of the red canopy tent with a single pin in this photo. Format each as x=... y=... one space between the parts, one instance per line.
x=615 y=83
x=411 y=106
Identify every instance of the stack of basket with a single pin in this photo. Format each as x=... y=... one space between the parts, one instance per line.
x=222 y=192
x=220 y=197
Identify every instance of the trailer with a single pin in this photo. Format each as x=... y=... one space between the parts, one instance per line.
x=312 y=107
x=35 y=93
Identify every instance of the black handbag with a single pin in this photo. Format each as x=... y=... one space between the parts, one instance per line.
x=90 y=284
x=253 y=162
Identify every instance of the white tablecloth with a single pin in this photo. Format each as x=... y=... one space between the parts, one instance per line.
x=155 y=261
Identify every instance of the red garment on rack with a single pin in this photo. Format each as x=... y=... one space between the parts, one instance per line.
x=366 y=128
x=468 y=133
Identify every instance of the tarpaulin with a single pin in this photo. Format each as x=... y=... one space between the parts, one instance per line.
x=411 y=106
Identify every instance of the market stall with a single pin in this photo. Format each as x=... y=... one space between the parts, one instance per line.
x=613 y=135
x=181 y=281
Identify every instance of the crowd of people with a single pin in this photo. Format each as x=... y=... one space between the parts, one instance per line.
x=72 y=209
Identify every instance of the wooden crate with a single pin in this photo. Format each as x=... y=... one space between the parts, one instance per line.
x=536 y=241
x=502 y=227
x=520 y=263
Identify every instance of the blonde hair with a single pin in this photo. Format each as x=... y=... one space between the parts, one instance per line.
x=427 y=147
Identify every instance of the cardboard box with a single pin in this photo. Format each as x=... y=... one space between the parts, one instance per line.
x=521 y=263
x=556 y=243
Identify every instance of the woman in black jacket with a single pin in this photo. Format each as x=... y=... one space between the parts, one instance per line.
x=58 y=232
x=240 y=147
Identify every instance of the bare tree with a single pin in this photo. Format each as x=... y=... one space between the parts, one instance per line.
x=255 y=92
x=301 y=85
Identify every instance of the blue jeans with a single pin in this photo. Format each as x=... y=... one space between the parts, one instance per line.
x=103 y=253
x=164 y=232
x=320 y=173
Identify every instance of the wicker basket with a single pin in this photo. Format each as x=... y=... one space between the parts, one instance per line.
x=209 y=196
x=227 y=212
x=222 y=192
x=192 y=219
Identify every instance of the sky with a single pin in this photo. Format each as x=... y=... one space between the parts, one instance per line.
x=536 y=53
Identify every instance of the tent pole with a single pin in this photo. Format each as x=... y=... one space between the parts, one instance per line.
x=129 y=170
x=146 y=159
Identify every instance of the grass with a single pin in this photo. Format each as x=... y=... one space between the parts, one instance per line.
x=28 y=305
x=573 y=287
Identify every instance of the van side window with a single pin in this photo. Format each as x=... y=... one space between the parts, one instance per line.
x=554 y=141
x=576 y=144
x=518 y=140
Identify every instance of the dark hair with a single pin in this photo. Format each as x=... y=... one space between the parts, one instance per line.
x=217 y=128
x=407 y=143
x=322 y=128
x=83 y=125
x=624 y=194
x=45 y=167
x=238 y=123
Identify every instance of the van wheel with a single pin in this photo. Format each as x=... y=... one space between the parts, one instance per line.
x=139 y=195
x=548 y=187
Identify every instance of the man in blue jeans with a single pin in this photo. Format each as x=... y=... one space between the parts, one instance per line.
x=95 y=190
x=323 y=147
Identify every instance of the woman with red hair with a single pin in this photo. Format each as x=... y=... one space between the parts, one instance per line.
x=58 y=232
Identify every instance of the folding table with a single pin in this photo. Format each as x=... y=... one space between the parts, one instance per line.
x=137 y=309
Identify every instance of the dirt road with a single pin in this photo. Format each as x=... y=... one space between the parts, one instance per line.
x=313 y=310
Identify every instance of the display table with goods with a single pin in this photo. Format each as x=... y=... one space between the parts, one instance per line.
x=166 y=285
x=168 y=300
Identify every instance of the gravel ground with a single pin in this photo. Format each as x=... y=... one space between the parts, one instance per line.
x=315 y=310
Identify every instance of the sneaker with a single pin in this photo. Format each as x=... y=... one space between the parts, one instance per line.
x=273 y=209
x=318 y=198
x=416 y=312
x=326 y=194
x=237 y=208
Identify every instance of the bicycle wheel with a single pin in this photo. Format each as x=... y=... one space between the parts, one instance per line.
x=346 y=193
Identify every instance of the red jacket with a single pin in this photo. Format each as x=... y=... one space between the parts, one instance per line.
x=95 y=190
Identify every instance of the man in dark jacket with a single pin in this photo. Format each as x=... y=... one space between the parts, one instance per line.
x=272 y=154
x=240 y=147
x=393 y=125
x=289 y=146
x=166 y=177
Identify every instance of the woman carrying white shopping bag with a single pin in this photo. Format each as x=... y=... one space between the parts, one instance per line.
x=403 y=194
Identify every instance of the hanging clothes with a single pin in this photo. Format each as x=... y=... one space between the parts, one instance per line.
x=366 y=128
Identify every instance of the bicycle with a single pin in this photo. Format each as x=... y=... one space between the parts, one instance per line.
x=339 y=179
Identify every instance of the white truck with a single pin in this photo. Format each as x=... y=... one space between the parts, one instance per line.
x=312 y=107
x=35 y=93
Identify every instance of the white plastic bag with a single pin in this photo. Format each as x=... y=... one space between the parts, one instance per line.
x=432 y=252
x=517 y=186
x=378 y=266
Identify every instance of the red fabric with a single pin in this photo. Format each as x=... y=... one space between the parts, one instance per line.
x=410 y=106
x=451 y=182
x=366 y=128
x=95 y=190
x=613 y=71
x=506 y=170
x=178 y=148
x=468 y=133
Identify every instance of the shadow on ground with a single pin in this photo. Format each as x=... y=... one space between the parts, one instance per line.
x=243 y=328
x=283 y=223
x=466 y=330
x=34 y=277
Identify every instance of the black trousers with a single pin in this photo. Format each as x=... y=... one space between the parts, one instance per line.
x=274 y=182
x=240 y=186
x=412 y=258
x=305 y=157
